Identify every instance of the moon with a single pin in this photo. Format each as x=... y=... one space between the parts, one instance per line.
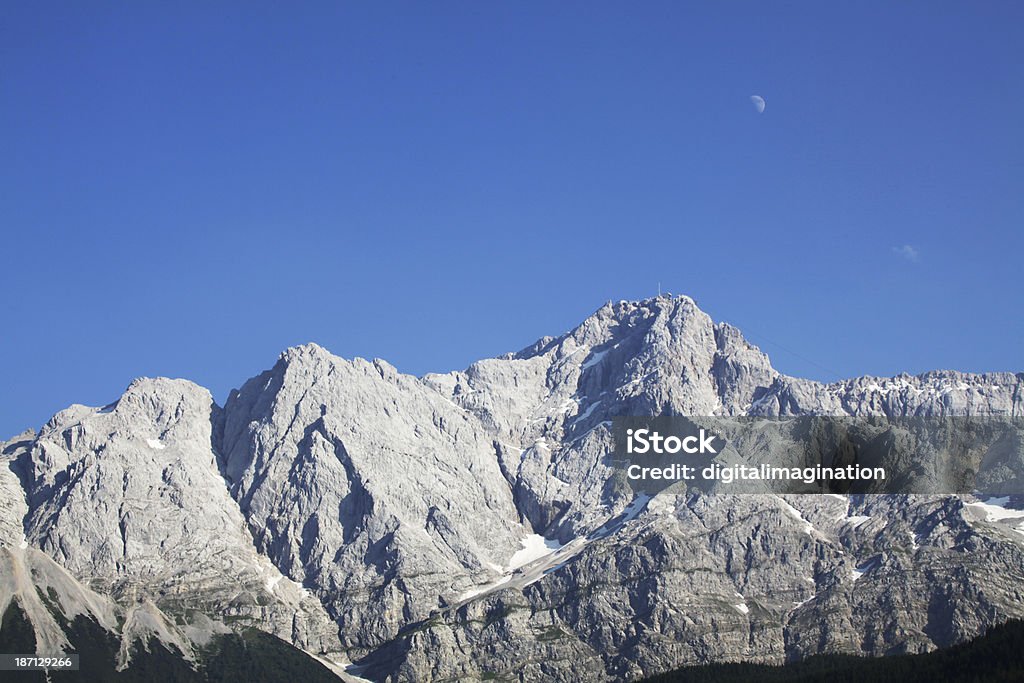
x=758 y=102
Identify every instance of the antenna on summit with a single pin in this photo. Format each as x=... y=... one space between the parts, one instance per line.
x=659 y=289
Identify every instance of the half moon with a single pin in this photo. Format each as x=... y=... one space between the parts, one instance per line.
x=758 y=102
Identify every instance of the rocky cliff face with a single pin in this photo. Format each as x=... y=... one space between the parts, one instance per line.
x=129 y=499
x=468 y=524
x=367 y=486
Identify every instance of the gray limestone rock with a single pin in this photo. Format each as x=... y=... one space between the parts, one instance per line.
x=129 y=499
x=469 y=524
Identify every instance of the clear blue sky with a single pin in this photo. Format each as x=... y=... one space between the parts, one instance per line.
x=187 y=190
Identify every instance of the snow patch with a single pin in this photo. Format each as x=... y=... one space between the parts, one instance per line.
x=156 y=443
x=594 y=359
x=535 y=547
x=540 y=556
x=996 y=510
x=856 y=520
x=862 y=569
x=742 y=608
x=635 y=507
x=795 y=514
x=586 y=413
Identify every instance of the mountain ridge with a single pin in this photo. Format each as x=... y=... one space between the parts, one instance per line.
x=360 y=513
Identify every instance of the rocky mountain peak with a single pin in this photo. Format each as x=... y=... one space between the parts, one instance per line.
x=308 y=353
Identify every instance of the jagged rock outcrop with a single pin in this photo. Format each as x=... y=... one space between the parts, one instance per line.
x=551 y=402
x=930 y=394
x=369 y=487
x=130 y=500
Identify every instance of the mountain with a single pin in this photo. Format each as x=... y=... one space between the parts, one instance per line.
x=470 y=524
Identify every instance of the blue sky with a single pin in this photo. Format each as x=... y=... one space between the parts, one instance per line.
x=187 y=191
